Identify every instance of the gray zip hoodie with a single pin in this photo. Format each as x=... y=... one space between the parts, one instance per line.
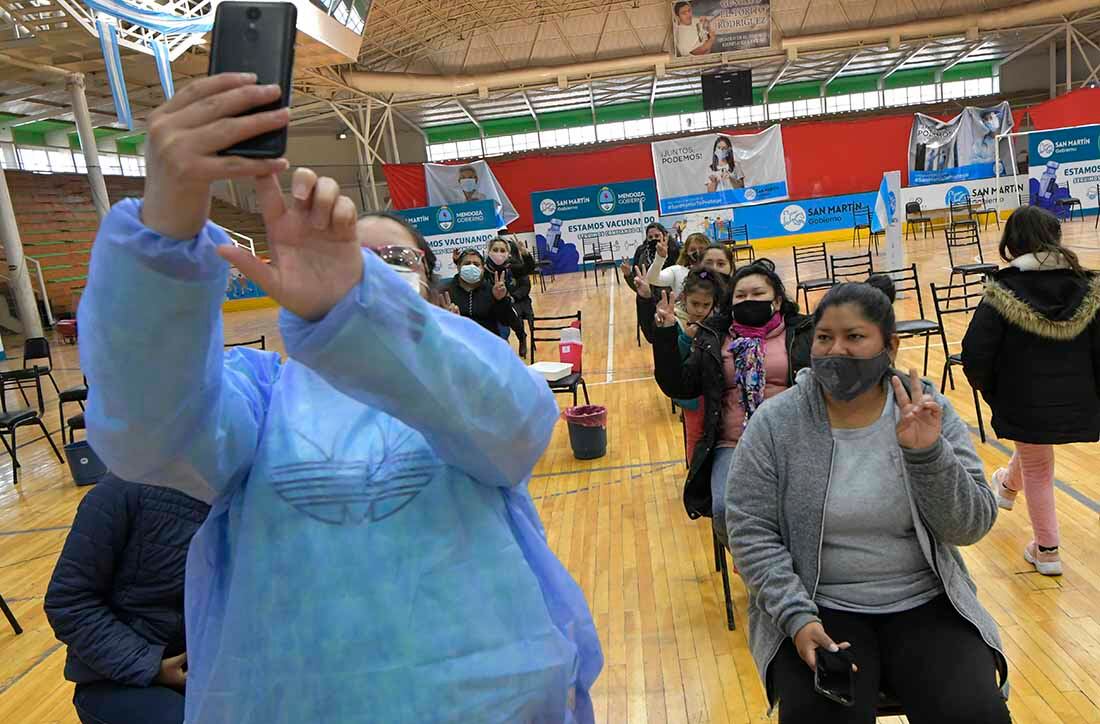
x=775 y=505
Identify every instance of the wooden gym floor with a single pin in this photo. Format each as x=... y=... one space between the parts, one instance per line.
x=619 y=525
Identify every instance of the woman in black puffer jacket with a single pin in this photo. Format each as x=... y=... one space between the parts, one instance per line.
x=116 y=600
x=741 y=355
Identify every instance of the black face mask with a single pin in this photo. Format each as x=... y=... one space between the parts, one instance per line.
x=695 y=256
x=753 y=313
x=846 y=378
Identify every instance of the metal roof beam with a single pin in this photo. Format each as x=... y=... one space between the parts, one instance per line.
x=960 y=58
x=470 y=115
x=841 y=67
x=905 y=58
x=531 y=110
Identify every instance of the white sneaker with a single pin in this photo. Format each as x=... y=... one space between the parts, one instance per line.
x=1006 y=497
x=1047 y=563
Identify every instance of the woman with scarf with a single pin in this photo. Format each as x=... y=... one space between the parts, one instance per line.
x=739 y=358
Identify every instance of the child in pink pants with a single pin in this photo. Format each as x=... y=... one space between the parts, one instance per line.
x=1032 y=470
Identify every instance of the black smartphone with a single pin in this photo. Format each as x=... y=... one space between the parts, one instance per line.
x=834 y=678
x=251 y=37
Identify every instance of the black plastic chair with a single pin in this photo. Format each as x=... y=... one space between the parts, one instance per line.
x=78 y=394
x=10 y=616
x=981 y=211
x=35 y=348
x=906 y=280
x=546 y=325
x=1069 y=203
x=74 y=423
x=970 y=294
x=914 y=217
x=260 y=342
x=722 y=567
x=10 y=421
x=960 y=211
x=594 y=255
x=962 y=238
x=861 y=221
x=854 y=268
x=805 y=256
x=739 y=244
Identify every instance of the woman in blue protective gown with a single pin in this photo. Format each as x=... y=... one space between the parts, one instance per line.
x=372 y=553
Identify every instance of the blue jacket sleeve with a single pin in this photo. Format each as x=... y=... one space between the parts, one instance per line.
x=165 y=402
x=464 y=389
x=78 y=598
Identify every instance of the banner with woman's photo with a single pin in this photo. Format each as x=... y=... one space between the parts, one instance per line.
x=464 y=184
x=716 y=171
x=960 y=149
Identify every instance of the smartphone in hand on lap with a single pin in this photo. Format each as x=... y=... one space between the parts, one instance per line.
x=257 y=37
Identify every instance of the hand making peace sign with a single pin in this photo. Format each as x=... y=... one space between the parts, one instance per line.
x=666 y=312
x=921 y=419
x=500 y=290
x=644 y=290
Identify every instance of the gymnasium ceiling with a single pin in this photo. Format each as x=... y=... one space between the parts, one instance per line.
x=464 y=37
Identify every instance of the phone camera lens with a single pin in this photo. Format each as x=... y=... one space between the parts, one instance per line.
x=253 y=14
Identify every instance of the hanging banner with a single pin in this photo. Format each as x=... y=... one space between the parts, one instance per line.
x=571 y=222
x=960 y=149
x=1065 y=163
x=449 y=228
x=715 y=171
x=703 y=27
x=466 y=183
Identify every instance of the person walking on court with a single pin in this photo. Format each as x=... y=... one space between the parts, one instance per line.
x=1033 y=351
x=372 y=553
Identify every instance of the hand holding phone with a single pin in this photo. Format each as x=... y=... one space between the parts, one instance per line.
x=257 y=37
x=835 y=676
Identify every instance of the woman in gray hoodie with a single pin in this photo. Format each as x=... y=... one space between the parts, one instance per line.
x=847 y=499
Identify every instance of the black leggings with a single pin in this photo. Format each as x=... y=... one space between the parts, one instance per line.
x=930 y=658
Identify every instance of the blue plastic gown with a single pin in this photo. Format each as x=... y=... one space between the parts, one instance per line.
x=372 y=554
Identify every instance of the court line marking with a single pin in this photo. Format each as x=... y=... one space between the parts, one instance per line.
x=35 y=530
x=653 y=463
x=1062 y=485
x=5 y=685
x=610 y=333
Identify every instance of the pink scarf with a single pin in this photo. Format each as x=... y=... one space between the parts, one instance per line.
x=748 y=361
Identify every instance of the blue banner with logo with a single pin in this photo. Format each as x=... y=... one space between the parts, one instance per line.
x=789 y=218
x=961 y=149
x=570 y=223
x=1064 y=164
x=453 y=227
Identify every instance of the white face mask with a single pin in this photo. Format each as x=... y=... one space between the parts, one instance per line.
x=411 y=278
x=468 y=185
x=499 y=257
x=992 y=124
x=722 y=154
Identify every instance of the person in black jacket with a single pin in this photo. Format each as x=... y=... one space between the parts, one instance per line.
x=642 y=259
x=741 y=355
x=479 y=295
x=517 y=280
x=1033 y=351
x=116 y=600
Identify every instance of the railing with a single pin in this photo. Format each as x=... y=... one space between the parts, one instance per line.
x=240 y=240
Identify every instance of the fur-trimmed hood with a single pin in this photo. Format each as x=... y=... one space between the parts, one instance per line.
x=1054 y=303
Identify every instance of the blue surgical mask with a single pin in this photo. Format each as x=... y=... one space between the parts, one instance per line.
x=469 y=185
x=722 y=154
x=470 y=273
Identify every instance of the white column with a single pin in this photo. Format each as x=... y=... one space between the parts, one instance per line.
x=19 y=278
x=84 y=131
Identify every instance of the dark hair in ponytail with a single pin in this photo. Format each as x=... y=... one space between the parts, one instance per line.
x=1032 y=230
x=766 y=268
x=875 y=299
